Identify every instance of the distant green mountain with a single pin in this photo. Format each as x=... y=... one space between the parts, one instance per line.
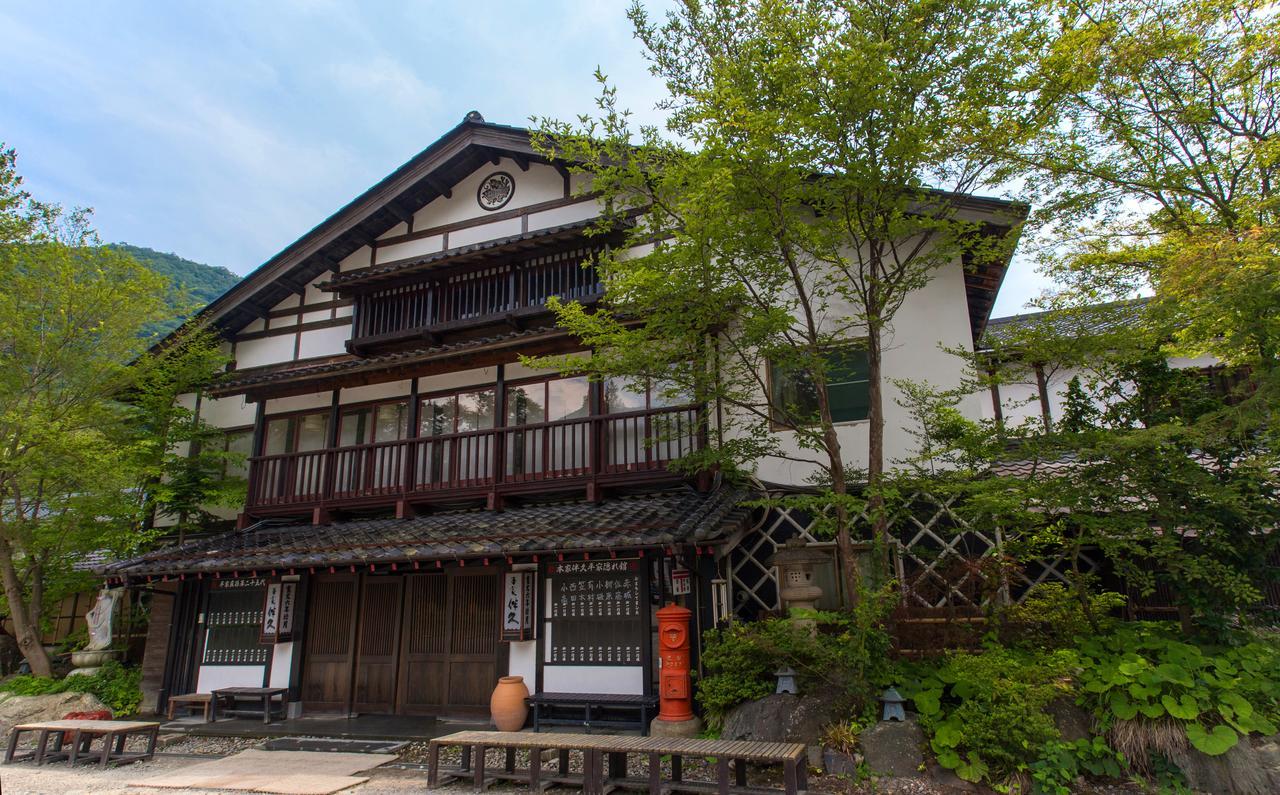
x=194 y=282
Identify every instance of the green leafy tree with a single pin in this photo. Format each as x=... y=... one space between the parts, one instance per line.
x=85 y=438
x=808 y=186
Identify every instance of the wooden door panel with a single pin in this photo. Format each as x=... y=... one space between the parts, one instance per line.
x=326 y=670
x=424 y=674
x=379 y=644
x=473 y=639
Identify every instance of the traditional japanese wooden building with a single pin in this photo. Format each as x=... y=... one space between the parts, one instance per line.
x=424 y=513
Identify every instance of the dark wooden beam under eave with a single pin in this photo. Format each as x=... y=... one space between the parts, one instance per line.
x=439 y=187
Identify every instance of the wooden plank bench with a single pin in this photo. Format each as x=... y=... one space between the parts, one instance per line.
x=201 y=701
x=265 y=698
x=597 y=709
x=73 y=741
x=598 y=778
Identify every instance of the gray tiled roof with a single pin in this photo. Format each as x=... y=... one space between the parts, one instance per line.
x=1083 y=322
x=235 y=381
x=658 y=519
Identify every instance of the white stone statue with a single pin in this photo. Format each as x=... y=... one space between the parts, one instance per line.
x=99 y=619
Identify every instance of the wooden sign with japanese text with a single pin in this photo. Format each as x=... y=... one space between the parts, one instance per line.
x=597 y=612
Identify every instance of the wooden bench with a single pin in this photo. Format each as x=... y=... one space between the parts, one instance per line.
x=597 y=710
x=201 y=701
x=597 y=777
x=73 y=741
x=265 y=698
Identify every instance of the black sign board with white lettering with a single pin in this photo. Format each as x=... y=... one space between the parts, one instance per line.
x=598 y=612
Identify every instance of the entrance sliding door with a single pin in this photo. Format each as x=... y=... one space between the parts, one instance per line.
x=449 y=658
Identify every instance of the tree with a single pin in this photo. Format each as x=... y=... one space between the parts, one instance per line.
x=1161 y=173
x=809 y=185
x=84 y=443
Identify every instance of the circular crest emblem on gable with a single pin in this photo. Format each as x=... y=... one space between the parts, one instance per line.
x=495 y=190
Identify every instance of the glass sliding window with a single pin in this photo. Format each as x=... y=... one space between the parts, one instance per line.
x=371 y=469
x=638 y=440
x=465 y=458
x=301 y=475
x=553 y=449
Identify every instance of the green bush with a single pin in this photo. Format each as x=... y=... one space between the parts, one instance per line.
x=1051 y=616
x=846 y=659
x=985 y=712
x=1060 y=763
x=116 y=686
x=1217 y=693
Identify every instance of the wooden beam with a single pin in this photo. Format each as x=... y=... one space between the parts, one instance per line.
x=399 y=213
x=521 y=161
x=439 y=187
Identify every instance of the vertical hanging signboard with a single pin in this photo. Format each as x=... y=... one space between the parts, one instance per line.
x=517 y=605
x=288 y=599
x=271 y=614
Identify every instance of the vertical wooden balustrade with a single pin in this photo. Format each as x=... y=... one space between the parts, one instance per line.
x=476 y=462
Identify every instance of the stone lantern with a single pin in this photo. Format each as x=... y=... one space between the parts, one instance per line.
x=796 y=579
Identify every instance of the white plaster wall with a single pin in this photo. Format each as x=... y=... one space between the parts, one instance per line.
x=282 y=322
x=937 y=315
x=315 y=295
x=255 y=326
x=624 y=680
x=228 y=412
x=212 y=677
x=281 y=662
x=319 y=400
x=483 y=232
x=540 y=183
x=442 y=382
x=330 y=341
x=389 y=389
x=263 y=351
x=319 y=314
x=360 y=258
x=399 y=229
x=292 y=302
x=569 y=214
x=411 y=248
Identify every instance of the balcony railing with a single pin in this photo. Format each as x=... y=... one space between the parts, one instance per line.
x=499 y=459
x=495 y=292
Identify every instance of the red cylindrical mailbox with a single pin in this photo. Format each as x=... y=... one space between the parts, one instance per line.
x=675 y=688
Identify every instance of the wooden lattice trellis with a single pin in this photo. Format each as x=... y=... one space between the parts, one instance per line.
x=941 y=557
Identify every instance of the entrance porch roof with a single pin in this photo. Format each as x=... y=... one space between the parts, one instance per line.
x=655 y=520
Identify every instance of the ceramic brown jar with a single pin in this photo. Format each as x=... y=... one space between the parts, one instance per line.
x=507 y=706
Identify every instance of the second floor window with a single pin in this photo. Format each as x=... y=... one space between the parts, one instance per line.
x=297 y=433
x=238 y=443
x=385 y=422
x=795 y=395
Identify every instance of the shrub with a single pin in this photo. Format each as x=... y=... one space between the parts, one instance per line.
x=116 y=686
x=1051 y=616
x=846 y=659
x=985 y=712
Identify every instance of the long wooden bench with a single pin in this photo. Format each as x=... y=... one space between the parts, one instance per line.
x=592 y=710
x=597 y=749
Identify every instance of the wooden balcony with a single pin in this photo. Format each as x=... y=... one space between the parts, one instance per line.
x=508 y=293
x=565 y=455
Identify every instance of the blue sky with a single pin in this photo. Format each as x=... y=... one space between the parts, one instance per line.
x=222 y=131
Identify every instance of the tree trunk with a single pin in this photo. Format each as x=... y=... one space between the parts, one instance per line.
x=850 y=576
x=875 y=445
x=25 y=629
